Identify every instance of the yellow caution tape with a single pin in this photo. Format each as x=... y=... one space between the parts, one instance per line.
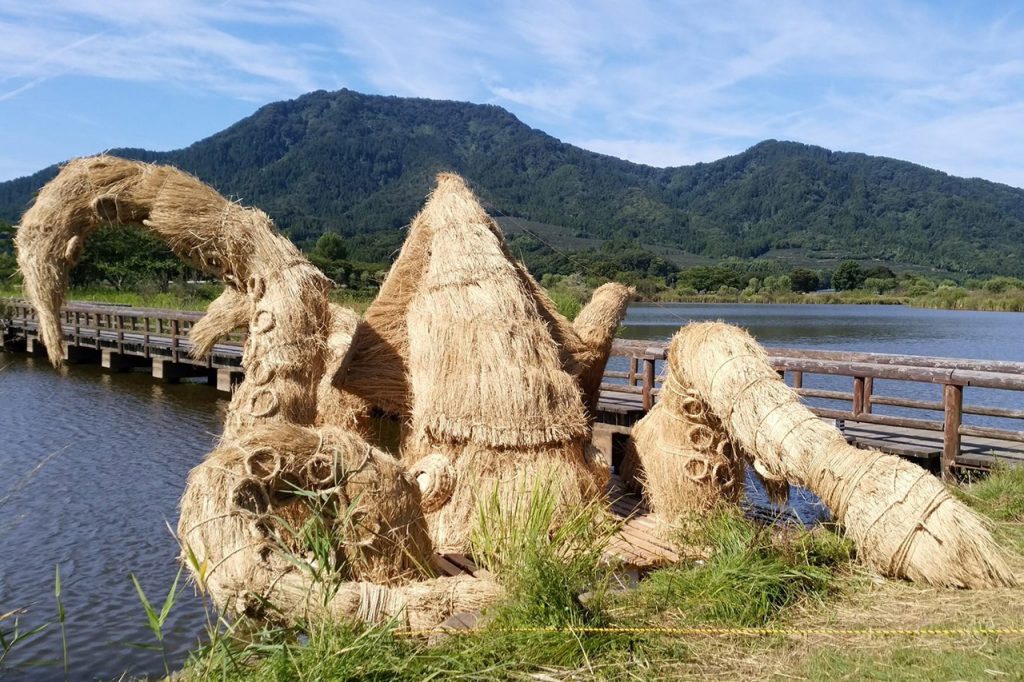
x=739 y=631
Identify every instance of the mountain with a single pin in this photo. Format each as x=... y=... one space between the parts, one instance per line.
x=361 y=165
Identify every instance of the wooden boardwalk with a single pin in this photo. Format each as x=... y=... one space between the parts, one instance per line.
x=619 y=411
x=123 y=338
x=975 y=452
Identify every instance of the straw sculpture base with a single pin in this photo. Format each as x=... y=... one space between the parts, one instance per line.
x=482 y=475
x=290 y=522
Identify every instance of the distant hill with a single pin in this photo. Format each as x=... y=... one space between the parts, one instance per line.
x=361 y=165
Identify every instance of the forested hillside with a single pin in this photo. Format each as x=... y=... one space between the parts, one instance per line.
x=361 y=165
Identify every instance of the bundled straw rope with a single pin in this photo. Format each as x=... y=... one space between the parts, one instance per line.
x=595 y=326
x=902 y=520
x=682 y=459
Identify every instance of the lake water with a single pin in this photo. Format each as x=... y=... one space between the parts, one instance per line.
x=113 y=451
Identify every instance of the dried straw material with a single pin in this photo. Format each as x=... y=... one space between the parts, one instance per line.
x=483 y=366
x=338 y=407
x=903 y=520
x=226 y=313
x=379 y=371
x=421 y=605
x=284 y=355
x=682 y=459
x=436 y=479
x=247 y=510
x=512 y=475
x=490 y=392
x=595 y=326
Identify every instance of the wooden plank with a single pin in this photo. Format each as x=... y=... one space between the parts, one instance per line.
x=464 y=563
x=880 y=419
x=907 y=402
x=645 y=540
x=1003 y=366
x=822 y=393
x=860 y=369
x=993 y=433
x=446 y=567
x=993 y=412
x=907 y=450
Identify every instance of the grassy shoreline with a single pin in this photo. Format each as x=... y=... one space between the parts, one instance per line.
x=826 y=617
x=569 y=302
x=975 y=301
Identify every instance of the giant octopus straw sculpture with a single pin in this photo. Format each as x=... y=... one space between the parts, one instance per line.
x=496 y=392
x=291 y=452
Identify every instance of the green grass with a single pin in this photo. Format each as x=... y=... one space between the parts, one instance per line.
x=988 y=659
x=999 y=495
x=753 y=576
x=178 y=297
x=182 y=297
x=543 y=572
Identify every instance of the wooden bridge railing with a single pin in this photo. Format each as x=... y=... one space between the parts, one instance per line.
x=164 y=333
x=124 y=329
x=643 y=378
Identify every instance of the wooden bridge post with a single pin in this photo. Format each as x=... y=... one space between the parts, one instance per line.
x=648 y=395
x=869 y=388
x=175 y=331
x=952 y=409
x=858 y=396
x=634 y=365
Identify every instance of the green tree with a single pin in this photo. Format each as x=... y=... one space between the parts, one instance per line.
x=804 y=280
x=849 y=275
x=880 y=285
x=998 y=285
x=777 y=284
x=8 y=266
x=126 y=258
x=879 y=272
x=331 y=246
x=6 y=238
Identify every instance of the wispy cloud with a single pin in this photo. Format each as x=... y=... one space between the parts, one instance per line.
x=657 y=82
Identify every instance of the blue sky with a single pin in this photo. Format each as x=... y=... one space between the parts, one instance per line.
x=665 y=83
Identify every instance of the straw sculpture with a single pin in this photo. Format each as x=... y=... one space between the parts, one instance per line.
x=379 y=371
x=336 y=407
x=595 y=325
x=250 y=510
x=230 y=311
x=682 y=460
x=287 y=295
x=489 y=391
x=902 y=519
x=320 y=510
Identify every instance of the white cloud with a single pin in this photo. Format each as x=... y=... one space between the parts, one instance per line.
x=657 y=82
x=142 y=42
